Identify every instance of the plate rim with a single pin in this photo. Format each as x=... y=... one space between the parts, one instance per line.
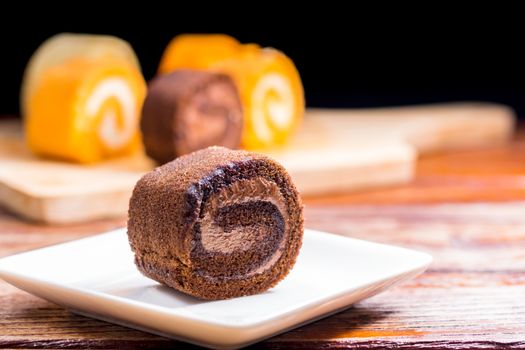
x=10 y=276
x=425 y=257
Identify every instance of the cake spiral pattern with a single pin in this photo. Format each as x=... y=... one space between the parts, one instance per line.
x=216 y=223
x=272 y=94
x=81 y=98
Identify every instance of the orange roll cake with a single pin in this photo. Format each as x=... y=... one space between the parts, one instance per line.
x=83 y=107
x=268 y=82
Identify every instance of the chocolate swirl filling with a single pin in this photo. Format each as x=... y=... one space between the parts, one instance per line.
x=246 y=223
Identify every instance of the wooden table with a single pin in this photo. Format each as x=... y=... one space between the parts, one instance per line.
x=466 y=208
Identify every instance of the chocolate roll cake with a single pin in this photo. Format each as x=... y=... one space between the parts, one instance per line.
x=189 y=110
x=216 y=223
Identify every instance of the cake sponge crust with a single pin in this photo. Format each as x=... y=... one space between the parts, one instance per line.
x=166 y=216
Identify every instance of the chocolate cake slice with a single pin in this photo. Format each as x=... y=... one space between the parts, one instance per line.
x=216 y=223
x=189 y=110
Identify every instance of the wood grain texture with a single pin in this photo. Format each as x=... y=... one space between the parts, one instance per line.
x=472 y=297
x=489 y=173
x=334 y=151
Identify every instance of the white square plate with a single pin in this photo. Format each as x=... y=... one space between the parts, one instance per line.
x=96 y=277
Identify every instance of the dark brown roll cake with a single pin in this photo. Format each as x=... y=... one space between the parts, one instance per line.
x=189 y=110
x=216 y=223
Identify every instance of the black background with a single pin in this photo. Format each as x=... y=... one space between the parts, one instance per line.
x=347 y=58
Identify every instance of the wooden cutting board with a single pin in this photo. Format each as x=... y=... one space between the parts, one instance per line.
x=335 y=150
